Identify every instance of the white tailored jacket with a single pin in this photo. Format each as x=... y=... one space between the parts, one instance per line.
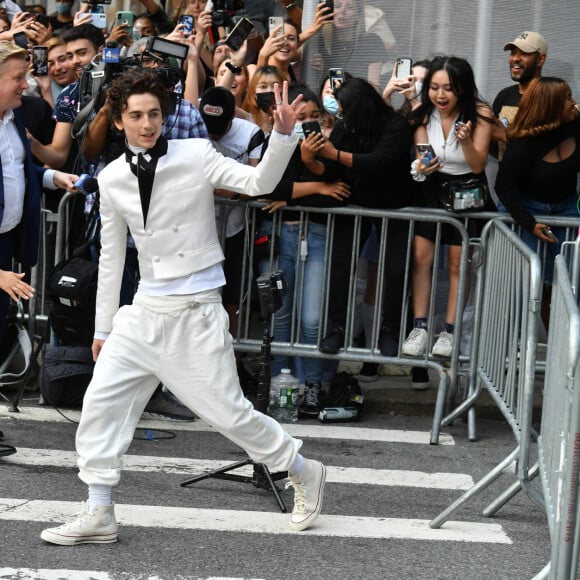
x=180 y=236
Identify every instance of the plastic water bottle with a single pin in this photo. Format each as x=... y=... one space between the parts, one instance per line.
x=284 y=392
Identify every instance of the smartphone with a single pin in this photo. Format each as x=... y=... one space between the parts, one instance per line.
x=426 y=152
x=273 y=22
x=99 y=19
x=21 y=40
x=548 y=232
x=336 y=77
x=239 y=33
x=42 y=19
x=309 y=127
x=329 y=4
x=124 y=17
x=187 y=21
x=40 y=61
x=404 y=66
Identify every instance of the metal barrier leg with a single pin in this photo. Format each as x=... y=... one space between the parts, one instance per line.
x=439 y=407
x=509 y=493
x=475 y=490
x=471 y=424
x=544 y=573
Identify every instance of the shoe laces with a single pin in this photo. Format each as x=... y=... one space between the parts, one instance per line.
x=416 y=334
x=311 y=395
x=301 y=493
x=446 y=337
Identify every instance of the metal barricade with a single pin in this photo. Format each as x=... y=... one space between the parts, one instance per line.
x=505 y=342
x=559 y=439
x=245 y=341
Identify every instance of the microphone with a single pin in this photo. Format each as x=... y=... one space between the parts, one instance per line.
x=86 y=184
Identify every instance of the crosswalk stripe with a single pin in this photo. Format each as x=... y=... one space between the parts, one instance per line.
x=48 y=574
x=48 y=414
x=186 y=466
x=12 y=509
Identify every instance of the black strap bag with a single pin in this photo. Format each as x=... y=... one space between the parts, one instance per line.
x=65 y=375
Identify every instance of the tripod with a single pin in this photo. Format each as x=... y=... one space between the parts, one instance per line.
x=261 y=476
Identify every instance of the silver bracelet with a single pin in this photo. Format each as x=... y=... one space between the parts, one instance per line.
x=415 y=174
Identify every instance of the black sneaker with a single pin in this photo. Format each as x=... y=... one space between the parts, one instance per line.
x=389 y=341
x=420 y=379
x=368 y=373
x=333 y=341
x=163 y=405
x=310 y=404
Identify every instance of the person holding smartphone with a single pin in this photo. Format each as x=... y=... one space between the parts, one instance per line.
x=539 y=169
x=301 y=187
x=457 y=124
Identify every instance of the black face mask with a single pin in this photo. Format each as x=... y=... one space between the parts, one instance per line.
x=265 y=101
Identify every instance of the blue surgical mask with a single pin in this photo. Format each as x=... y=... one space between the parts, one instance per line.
x=298 y=130
x=330 y=104
x=63 y=8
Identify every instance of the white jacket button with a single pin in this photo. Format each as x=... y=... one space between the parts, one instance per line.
x=180 y=254
x=156 y=258
x=174 y=228
x=149 y=232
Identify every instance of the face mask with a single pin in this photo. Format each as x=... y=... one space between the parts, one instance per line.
x=63 y=8
x=418 y=88
x=299 y=130
x=265 y=101
x=330 y=104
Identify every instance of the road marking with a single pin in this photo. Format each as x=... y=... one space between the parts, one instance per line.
x=259 y=522
x=186 y=466
x=48 y=574
x=48 y=414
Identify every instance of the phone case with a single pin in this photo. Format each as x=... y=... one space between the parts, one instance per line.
x=124 y=17
x=404 y=66
x=188 y=21
x=273 y=22
x=240 y=32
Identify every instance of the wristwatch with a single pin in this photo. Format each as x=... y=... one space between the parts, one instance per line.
x=235 y=69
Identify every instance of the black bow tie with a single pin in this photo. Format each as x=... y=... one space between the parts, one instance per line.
x=143 y=166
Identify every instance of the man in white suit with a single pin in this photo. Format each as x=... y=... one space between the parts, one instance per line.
x=176 y=330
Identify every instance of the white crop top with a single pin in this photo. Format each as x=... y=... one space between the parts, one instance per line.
x=448 y=150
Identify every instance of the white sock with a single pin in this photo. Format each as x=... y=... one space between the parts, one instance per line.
x=298 y=465
x=99 y=495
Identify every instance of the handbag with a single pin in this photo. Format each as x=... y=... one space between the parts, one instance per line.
x=65 y=374
x=470 y=193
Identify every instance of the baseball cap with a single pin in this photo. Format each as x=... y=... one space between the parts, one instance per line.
x=529 y=42
x=217 y=107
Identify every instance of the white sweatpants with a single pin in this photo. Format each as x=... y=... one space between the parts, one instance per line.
x=184 y=342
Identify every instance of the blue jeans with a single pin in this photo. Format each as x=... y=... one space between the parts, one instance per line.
x=304 y=285
x=567 y=208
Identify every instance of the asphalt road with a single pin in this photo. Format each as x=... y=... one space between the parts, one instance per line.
x=385 y=483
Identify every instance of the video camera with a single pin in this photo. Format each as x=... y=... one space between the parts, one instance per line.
x=271 y=290
x=223 y=11
x=97 y=78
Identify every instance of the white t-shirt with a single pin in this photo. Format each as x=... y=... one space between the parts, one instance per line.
x=234 y=144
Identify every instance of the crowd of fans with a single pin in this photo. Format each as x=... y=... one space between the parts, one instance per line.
x=227 y=96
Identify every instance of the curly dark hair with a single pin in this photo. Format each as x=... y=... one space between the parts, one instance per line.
x=138 y=81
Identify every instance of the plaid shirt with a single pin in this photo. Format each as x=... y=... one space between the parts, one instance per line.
x=185 y=123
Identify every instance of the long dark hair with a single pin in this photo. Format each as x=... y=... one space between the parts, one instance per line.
x=364 y=114
x=463 y=85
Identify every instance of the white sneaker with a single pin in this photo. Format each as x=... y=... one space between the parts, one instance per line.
x=99 y=527
x=308 y=492
x=444 y=345
x=416 y=343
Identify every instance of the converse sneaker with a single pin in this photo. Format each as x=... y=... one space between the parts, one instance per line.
x=308 y=492
x=98 y=527
x=310 y=405
x=163 y=405
x=416 y=343
x=444 y=345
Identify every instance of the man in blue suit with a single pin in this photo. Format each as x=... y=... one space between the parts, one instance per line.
x=21 y=183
